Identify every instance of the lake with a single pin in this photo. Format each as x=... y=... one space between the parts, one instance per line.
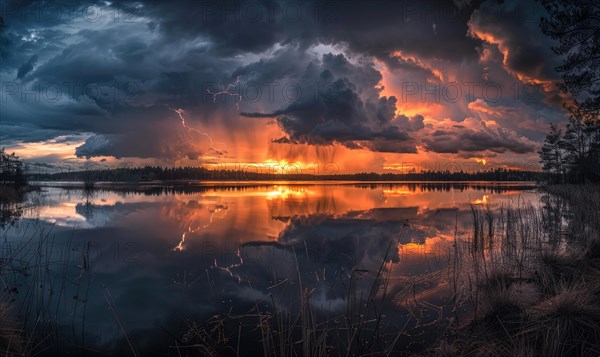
x=150 y=268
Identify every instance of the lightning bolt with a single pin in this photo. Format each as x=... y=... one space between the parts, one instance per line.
x=218 y=209
x=227 y=92
x=181 y=112
x=228 y=269
x=181 y=245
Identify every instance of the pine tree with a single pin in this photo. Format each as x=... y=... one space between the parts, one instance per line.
x=580 y=144
x=575 y=24
x=552 y=155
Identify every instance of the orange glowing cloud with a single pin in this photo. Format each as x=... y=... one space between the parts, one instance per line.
x=503 y=44
x=480 y=161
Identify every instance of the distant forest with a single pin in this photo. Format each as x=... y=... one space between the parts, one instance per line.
x=151 y=173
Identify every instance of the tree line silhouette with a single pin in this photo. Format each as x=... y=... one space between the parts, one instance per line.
x=151 y=173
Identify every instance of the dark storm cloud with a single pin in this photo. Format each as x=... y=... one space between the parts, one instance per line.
x=340 y=103
x=95 y=145
x=514 y=27
x=11 y=134
x=414 y=123
x=474 y=138
x=432 y=29
x=378 y=28
x=129 y=60
x=27 y=67
x=528 y=50
x=115 y=81
x=231 y=27
x=165 y=138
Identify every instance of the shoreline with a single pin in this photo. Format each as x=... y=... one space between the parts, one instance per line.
x=276 y=182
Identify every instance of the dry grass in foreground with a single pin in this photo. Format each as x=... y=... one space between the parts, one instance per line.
x=535 y=279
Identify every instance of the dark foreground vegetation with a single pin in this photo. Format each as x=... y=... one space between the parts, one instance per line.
x=532 y=278
x=13 y=186
x=11 y=170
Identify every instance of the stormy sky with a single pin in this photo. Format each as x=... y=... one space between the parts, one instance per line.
x=370 y=86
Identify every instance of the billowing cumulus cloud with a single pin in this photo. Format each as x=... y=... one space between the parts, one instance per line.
x=341 y=103
x=415 y=123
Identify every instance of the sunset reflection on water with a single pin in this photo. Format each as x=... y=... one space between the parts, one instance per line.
x=261 y=213
x=197 y=250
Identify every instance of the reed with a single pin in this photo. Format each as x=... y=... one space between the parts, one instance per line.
x=537 y=282
x=37 y=275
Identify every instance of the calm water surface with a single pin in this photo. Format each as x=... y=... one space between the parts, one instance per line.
x=142 y=264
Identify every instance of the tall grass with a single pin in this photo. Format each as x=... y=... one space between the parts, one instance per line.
x=36 y=277
x=535 y=274
x=11 y=333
